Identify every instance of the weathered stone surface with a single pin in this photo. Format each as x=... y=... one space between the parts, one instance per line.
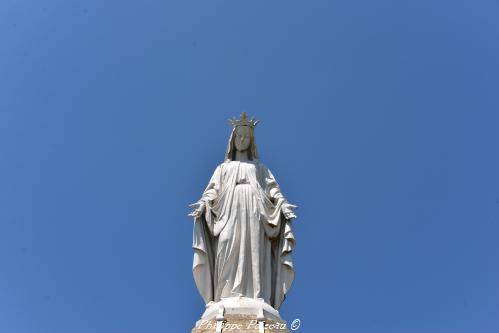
x=240 y=324
x=242 y=241
x=242 y=237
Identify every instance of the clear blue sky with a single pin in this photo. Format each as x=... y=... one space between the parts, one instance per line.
x=378 y=118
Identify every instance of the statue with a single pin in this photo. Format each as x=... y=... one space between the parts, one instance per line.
x=242 y=237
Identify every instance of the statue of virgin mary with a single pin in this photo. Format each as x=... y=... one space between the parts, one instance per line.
x=242 y=236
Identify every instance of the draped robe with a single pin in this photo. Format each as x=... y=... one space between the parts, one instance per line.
x=242 y=242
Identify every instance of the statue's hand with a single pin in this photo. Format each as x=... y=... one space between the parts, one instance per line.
x=287 y=210
x=198 y=209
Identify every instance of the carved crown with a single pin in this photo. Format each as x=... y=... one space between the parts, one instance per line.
x=244 y=121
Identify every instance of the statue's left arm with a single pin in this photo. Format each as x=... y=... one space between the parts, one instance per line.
x=273 y=190
x=284 y=236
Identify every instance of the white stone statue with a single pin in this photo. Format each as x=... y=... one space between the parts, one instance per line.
x=242 y=231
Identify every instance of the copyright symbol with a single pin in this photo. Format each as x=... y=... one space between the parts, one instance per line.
x=295 y=324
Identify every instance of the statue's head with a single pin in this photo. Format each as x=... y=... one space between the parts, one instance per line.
x=242 y=138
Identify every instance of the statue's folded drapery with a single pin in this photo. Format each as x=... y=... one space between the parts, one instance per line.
x=243 y=243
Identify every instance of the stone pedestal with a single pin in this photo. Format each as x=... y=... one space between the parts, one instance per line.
x=240 y=315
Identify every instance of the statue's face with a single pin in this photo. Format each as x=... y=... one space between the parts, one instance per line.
x=243 y=138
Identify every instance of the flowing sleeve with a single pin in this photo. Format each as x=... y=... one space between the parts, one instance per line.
x=273 y=190
x=210 y=194
x=213 y=186
x=202 y=240
x=284 y=243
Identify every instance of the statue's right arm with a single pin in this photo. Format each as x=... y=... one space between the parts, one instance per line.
x=209 y=194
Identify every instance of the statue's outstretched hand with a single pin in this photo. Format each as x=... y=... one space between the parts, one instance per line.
x=287 y=210
x=198 y=209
